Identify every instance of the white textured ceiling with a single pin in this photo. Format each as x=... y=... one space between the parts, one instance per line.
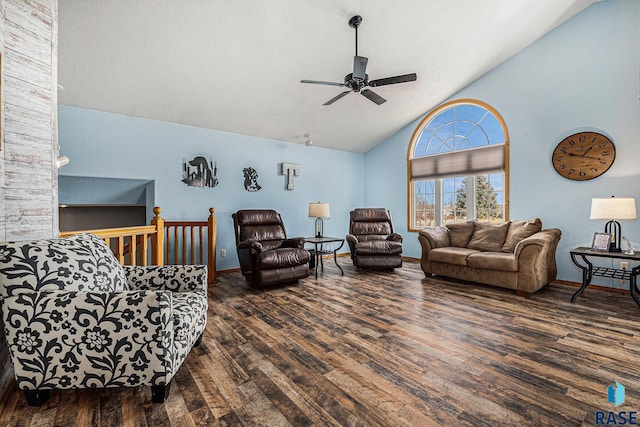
x=236 y=65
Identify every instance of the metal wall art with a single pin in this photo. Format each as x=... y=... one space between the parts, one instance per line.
x=200 y=173
x=251 y=179
x=290 y=170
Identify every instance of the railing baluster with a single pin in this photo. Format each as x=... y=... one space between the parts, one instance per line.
x=143 y=250
x=202 y=247
x=192 y=256
x=133 y=250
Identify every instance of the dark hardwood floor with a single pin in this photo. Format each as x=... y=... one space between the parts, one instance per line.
x=381 y=349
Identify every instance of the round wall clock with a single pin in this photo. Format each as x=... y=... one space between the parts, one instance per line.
x=583 y=156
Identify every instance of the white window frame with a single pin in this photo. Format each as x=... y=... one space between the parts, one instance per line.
x=470 y=179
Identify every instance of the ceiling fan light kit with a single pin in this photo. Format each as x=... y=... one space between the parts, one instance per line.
x=358 y=80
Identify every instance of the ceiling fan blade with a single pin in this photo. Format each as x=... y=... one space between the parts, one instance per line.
x=393 y=80
x=369 y=94
x=335 y=98
x=359 y=67
x=318 y=82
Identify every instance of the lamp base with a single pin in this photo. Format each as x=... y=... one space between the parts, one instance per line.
x=319 y=227
x=613 y=227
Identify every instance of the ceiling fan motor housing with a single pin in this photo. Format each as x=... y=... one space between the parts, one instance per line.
x=355 y=84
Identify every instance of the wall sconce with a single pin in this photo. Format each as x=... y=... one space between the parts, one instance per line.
x=613 y=208
x=62 y=161
x=308 y=142
x=319 y=211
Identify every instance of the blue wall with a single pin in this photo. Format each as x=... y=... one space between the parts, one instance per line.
x=106 y=145
x=584 y=75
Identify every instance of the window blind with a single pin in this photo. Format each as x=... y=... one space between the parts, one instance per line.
x=473 y=161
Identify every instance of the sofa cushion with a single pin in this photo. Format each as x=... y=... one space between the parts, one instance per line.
x=378 y=247
x=438 y=237
x=500 y=261
x=488 y=237
x=451 y=255
x=460 y=233
x=105 y=259
x=519 y=230
x=81 y=262
x=366 y=228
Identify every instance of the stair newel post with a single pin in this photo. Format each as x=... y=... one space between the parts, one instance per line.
x=157 y=240
x=211 y=252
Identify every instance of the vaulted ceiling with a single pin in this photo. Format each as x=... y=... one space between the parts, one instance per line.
x=236 y=66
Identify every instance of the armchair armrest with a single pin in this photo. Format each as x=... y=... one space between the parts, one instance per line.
x=250 y=244
x=352 y=241
x=395 y=237
x=63 y=339
x=174 y=278
x=294 y=242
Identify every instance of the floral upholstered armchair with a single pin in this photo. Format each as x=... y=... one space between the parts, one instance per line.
x=75 y=318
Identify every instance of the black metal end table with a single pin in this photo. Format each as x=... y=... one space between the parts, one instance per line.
x=588 y=270
x=318 y=250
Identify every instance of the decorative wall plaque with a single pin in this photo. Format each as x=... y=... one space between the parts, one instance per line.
x=200 y=173
x=251 y=179
x=290 y=170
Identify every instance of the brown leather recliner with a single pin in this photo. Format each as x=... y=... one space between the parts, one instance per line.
x=372 y=241
x=267 y=257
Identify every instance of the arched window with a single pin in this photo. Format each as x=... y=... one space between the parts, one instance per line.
x=458 y=168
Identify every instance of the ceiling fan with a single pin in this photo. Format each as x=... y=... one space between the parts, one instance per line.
x=358 y=80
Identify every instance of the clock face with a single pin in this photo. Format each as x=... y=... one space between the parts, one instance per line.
x=583 y=156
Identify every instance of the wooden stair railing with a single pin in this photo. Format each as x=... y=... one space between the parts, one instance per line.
x=129 y=244
x=183 y=242
x=190 y=242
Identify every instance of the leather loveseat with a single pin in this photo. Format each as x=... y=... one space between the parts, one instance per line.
x=517 y=255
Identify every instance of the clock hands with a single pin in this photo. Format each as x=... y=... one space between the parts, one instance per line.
x=582 y=155
x=588 y=149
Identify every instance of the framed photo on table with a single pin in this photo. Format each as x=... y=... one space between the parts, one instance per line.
x=601 y=242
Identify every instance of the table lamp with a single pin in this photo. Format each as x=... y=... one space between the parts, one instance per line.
x=319 y=211
x=613 y=208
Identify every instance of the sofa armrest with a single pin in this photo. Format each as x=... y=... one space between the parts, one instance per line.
x=174 y=278
x=425 y=244
x=63 y=339
x=395 y=237
x=294 y=242
x=437 y=237
x=543 y=239
x=536 y=257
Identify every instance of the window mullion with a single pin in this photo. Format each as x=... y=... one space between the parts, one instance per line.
x=438 y=199
x=471 y=197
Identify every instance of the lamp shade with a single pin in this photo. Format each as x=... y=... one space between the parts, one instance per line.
x=319 y=210
x=613 y=208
